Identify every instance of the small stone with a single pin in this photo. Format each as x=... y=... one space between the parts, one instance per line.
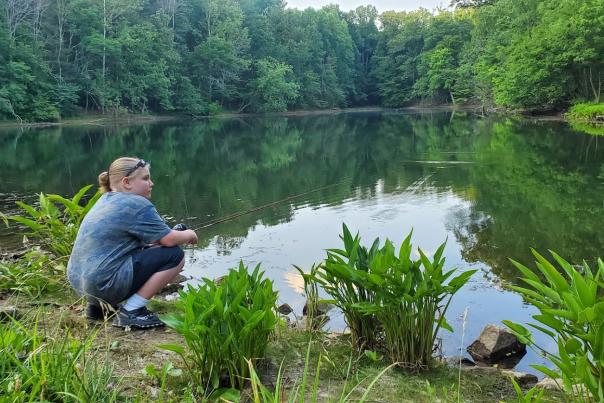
x=322 y=308
x=285 y=309
x=171 y=297
x=455 y=360
x=522 y=378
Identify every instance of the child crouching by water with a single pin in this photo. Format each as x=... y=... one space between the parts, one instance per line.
x=124 y=250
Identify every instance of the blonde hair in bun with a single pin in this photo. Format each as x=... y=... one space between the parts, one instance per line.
x=109 y=180
x=104 y=182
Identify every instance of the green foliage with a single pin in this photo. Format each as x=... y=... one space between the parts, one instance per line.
x=56 y=221
x=302 y=388
x=345 y=276
x=272 y=90
x=412 y=297
x=586 y=111
x=36 y=366
x=224 y=326
x=534 y=394
x=314 y=319
x=147 y=56
x=32 y=274
x=571 y=313
x=161 y=375
x=382 y=291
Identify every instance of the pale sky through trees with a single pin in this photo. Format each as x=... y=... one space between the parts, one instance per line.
x=381 y=5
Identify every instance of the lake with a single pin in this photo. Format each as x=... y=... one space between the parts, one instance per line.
x=492 y=187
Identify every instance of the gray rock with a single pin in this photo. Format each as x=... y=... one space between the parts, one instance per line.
x=322 y=308
x=522 y=378
x=550 y=384
x=495 y=343
x=285 y=309
x=454 y=361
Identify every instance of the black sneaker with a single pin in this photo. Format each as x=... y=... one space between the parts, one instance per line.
x=140 y=318
x=98 y=312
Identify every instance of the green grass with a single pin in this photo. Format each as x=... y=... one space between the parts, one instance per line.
x=586 y=111
x=288 y=351
x=48 y=364
x=130 y=353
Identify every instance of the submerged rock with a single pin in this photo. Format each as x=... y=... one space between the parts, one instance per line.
x=496 y=344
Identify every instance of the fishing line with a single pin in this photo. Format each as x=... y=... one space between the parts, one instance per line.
x=264 y=206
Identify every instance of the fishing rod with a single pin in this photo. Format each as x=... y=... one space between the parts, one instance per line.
x=264 y=206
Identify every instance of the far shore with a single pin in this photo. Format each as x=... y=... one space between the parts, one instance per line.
x=128 y=119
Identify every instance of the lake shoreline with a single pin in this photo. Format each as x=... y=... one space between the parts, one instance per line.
x=129 y=119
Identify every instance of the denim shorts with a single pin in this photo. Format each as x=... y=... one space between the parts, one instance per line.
x=149 y=261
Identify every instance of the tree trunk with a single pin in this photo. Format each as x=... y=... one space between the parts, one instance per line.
x=596 y=92
x=452 y=97
x=60 y=22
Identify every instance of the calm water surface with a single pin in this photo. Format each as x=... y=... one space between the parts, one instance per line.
x=492 y=188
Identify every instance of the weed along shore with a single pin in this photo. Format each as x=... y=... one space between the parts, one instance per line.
x=226 y=340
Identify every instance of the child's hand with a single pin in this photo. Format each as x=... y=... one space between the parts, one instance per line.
x=193 y=237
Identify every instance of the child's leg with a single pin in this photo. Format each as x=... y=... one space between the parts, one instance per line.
x=153 y=269
x=159 y=280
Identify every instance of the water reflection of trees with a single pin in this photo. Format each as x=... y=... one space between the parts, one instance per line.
x=537 y=187
x=528 y=184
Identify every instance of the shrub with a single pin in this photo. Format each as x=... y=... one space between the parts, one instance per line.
x=224 y=326
x=56 y=221
x=571 y=313
x=404 y=299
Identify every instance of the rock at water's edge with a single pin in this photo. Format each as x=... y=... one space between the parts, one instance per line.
x=494 y=344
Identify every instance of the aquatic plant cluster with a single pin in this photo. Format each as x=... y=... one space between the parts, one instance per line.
x=388 y=295
x=224 y=325
x=394 y=305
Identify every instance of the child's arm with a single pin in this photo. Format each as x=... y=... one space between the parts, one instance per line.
x=178 y=238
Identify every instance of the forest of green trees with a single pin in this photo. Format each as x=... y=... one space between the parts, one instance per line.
x=61 y=58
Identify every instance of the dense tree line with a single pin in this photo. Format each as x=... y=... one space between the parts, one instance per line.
x=63 y=57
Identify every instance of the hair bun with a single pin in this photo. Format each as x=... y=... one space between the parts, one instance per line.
x=104 y=182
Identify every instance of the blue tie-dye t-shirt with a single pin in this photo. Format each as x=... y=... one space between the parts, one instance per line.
x=116 y=226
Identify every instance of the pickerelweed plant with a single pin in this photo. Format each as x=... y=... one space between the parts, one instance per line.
x=345 y=276
x=571 y=312
x=382 y=292
x=56 y=221
x=224 y=326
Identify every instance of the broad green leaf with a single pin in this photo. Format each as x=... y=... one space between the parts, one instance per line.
x=551 y=273
x=547 y=371
x=172 y=347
